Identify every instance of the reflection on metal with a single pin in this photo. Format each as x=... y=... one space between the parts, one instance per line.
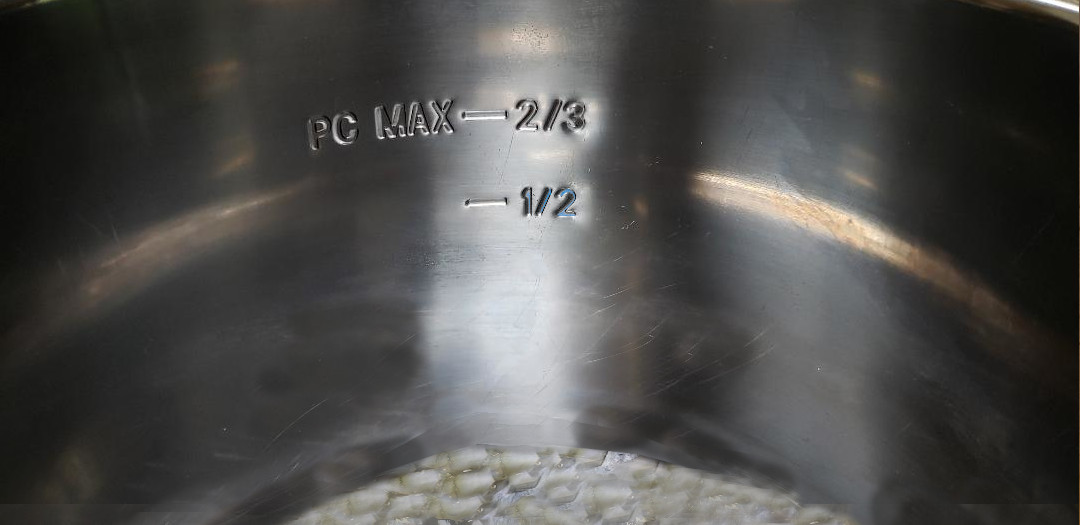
x=867 y=80
x=858 y=179
x=825 y=219
x=14 y=4
x=236 y=163
x=218 y=77
x=224 y=301
x=134 y=263
x=1065 y=10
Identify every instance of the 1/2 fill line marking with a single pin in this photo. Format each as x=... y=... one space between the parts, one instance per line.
x=481 y=203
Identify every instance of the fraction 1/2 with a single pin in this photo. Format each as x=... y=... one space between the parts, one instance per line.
x=562 y=210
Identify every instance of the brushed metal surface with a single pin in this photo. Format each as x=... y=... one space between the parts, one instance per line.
x=827 y=244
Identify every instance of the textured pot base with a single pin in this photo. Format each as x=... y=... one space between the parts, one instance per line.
x=491 y=485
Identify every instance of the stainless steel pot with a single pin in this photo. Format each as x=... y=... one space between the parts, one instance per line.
x=258 y=252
